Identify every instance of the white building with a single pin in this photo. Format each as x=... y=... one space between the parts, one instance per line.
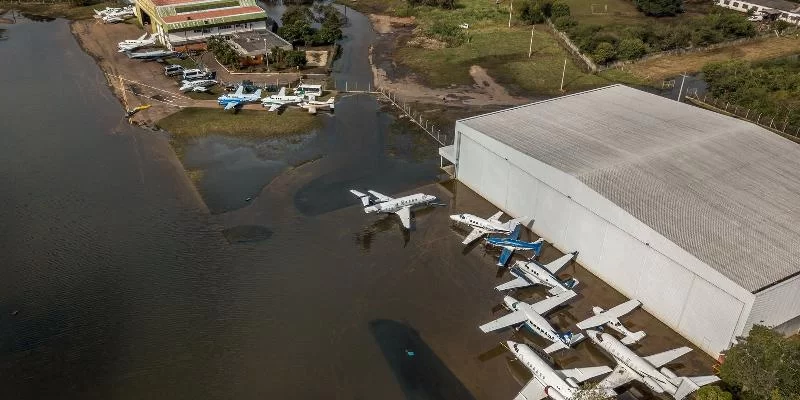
x=783 y=9
x=694 y=213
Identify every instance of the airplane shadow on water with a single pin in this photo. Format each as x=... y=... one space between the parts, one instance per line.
x=387 y=222
x=419 y=371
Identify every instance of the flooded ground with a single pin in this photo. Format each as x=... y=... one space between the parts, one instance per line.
x=118 y=283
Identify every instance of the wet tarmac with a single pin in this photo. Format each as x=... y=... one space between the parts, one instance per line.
x=118 y=283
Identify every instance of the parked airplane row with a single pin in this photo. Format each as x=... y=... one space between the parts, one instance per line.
x=112 y=15
x=548 y=382
x=274 y=102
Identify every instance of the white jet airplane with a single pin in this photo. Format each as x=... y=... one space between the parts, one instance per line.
x=142 y=41
x=376 y=202
x=482 y=226
x=197 y=86
x=548 y=382
x=531 y=315
x=276 y=101
x=529 y=273
x=631 y=366
x=610 y=318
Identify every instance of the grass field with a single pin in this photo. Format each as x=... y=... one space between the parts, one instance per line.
x=198 y=122
x=624 y=12
x=58 y=10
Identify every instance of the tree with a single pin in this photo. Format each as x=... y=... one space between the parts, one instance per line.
x=763 y=366
x=531 y=12
x=564 y=23
x=559 y=9
x=781 y=25
x=630 y=49
x=604 y=52
x=296 y=58
x=712 y=393
x=660 y=8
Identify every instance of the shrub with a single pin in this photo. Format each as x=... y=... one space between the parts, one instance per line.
x=446 y=4
x=630 y=49
x=604 y=52
x=660 y=8
x=559 y=9
x=565 y=22
x=447 y=32
x=531 y=13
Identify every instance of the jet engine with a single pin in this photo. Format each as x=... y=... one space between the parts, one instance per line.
x=553 y=393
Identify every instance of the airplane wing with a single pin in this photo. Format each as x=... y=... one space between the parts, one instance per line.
x=552 y=302
x=504 y=256
x=606 y=316
x=381 y=198
x=231 y=105
x=516 y=283
x=274 y=107
x=405 y=216
x=557 y=264
x=660 y=359
x=582 y=374
x=239 y=91
x=474 y=235
x=533 y=390
x=515 y=233
x=514 y=318
x=282 y=92
x=495 y=217
x=142 y=37
x=618 y=377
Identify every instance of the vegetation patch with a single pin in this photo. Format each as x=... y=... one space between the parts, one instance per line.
x=60 y=9
x=298 y=20
x=198 y=122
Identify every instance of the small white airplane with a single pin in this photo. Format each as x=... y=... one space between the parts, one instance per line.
x=548 y=382
x=610 y=318
x=529 y=273
x=376 y=202
x=113 y=15
x=482 y=226
x=276 y=101
x=150 y=55
x=313 y=106
x=238 y=98
x=531 y=315
x=197 y=86
x=133 y=44
x=631 y=366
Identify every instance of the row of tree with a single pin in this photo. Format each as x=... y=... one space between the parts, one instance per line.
x=278 y=57
x=298 y=24
x=446 y=4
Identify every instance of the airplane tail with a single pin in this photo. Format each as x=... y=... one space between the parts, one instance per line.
x=683 y=385
x=365 y=199
x=512 y=223
x=570 y=339
x=258 y=93
x=633 y=338
x=571 y=283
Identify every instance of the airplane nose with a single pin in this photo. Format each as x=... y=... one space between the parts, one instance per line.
x=455 y=217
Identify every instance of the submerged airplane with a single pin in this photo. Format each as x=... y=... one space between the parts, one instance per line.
x=630 y=367
x=553 y=383
x=238 y=98
x=197 y=86
x=276 y=101
x=610 y=318
x=531 y=315
x=376 y=202
x=482 y=226
x=150 y=55
x=533 y=273
x=313 y=106
x=511 y=243
x=133 y=44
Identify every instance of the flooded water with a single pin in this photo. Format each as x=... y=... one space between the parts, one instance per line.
x=118 y=283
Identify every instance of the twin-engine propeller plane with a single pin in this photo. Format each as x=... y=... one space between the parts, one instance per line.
x=482 y=226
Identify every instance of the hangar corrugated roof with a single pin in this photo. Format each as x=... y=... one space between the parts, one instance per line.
x=725 y=190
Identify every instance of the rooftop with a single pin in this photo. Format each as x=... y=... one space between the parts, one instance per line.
x=725 y=190
x=783 y=5
x=212 y=14
x=252 y=43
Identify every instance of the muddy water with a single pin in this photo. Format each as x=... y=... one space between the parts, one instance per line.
x=117 y=283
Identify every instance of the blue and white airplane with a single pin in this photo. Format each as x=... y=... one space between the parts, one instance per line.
x=533 y=273
x=239 y=98
x=511 y=243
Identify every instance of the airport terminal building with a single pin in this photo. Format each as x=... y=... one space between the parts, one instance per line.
x=694 y=213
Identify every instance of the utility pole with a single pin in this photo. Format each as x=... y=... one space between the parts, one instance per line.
x=510 y=10
x=563 y=72
x=681 y=89
x=530 y=48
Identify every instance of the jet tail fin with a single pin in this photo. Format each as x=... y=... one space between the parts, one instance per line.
x=633 y=338
x=686 y=385
x=365 y=200
x=512 y=223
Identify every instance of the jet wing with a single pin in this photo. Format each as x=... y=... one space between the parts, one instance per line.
x=533 y=390
x=405 y=216
x=582 y=374
x=660 y=359
x=516 y=283
x=606 y=316
x=557 y=264
x=381 y=198
x=495 y=217
x=514 y=318
x=231 y=105
x=474 y=235
x=239 y=91
x=274 y=107
x=504 y=256
x=618 y=377
x=550 y=303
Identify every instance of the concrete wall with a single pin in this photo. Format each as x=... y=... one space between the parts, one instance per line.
x=777 y=304
x=179 y=37
x=683 y=292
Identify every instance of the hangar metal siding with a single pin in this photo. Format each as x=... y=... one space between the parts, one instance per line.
x=777 y=304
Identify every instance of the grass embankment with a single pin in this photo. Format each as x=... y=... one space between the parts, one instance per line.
x=501 y=50
x=388 y=7
x=197 y=122
x=58 y=10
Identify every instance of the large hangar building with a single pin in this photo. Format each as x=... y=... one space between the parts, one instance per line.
x=694 y=213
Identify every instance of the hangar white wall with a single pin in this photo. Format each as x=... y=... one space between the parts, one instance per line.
x=684 y=293
x=777 y=304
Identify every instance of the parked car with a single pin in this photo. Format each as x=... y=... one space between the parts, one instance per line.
x=172 y=70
